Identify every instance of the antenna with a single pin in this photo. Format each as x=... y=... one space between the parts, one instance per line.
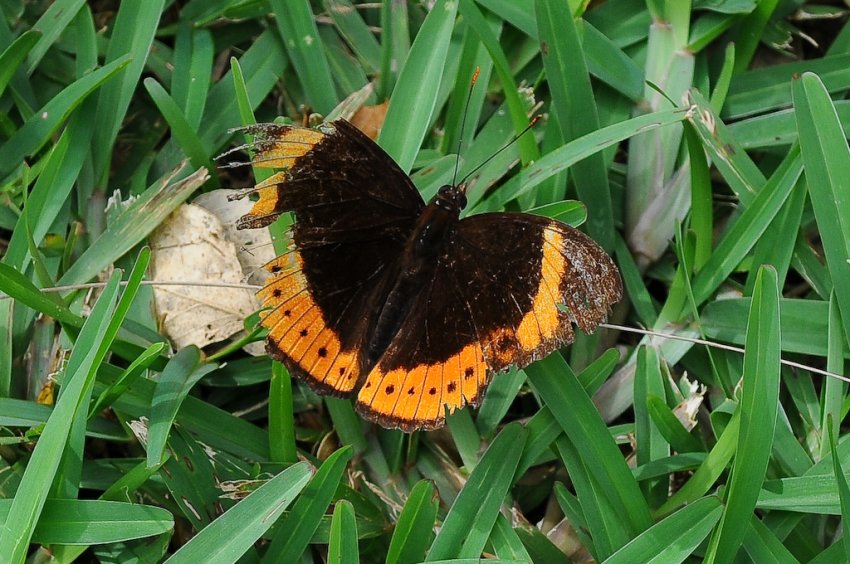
x=506 y=145
x=463 y=121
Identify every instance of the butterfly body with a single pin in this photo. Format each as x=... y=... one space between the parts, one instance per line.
x=419 y=260
x=405 y=304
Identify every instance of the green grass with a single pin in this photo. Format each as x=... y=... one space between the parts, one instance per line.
x=713 y=165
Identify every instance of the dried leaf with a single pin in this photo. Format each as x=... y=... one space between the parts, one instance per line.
x=370 y=119
x=191 y=246
x=253 y=246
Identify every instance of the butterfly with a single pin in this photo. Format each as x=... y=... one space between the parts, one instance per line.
x=402 y=303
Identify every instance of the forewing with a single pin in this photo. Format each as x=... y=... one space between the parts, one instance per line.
x=353 y=209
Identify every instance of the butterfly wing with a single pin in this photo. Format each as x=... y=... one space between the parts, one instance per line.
x=354 y=208
x=493 y=302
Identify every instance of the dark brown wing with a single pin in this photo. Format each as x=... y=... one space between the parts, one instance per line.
x=493 y=302
x=354 y=208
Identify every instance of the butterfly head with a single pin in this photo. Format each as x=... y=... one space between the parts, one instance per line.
x=450 y=198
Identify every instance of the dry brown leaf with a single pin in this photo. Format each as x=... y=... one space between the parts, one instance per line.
x=191 y=246
x=370 y=119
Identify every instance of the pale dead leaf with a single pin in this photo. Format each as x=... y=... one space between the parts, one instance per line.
x=686 y=411
x=191 y=246
x=253 y=246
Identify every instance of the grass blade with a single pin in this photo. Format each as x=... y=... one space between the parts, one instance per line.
x=132 y=36
x=181 y=373
x=181 y=129
x=561 y=159
x=342 y=548
x=125 y=232
x=87 y=521
x=410 y=541
x=414 y=98
x=306 y=51
x=758 y=410
x=296 y=528
x=558 y=387
x=41 y=469
x=38 y=129
x=573 y=101
x=826 y=157
x=843 y=490
x=467 y=527
x=682 y=532
x=227 y=538
x=14 y=55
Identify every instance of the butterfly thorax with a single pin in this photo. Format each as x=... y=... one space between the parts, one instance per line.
x=417 y=266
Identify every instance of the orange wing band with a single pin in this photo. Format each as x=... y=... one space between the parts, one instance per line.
x=298 y=333
x=420 y=397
